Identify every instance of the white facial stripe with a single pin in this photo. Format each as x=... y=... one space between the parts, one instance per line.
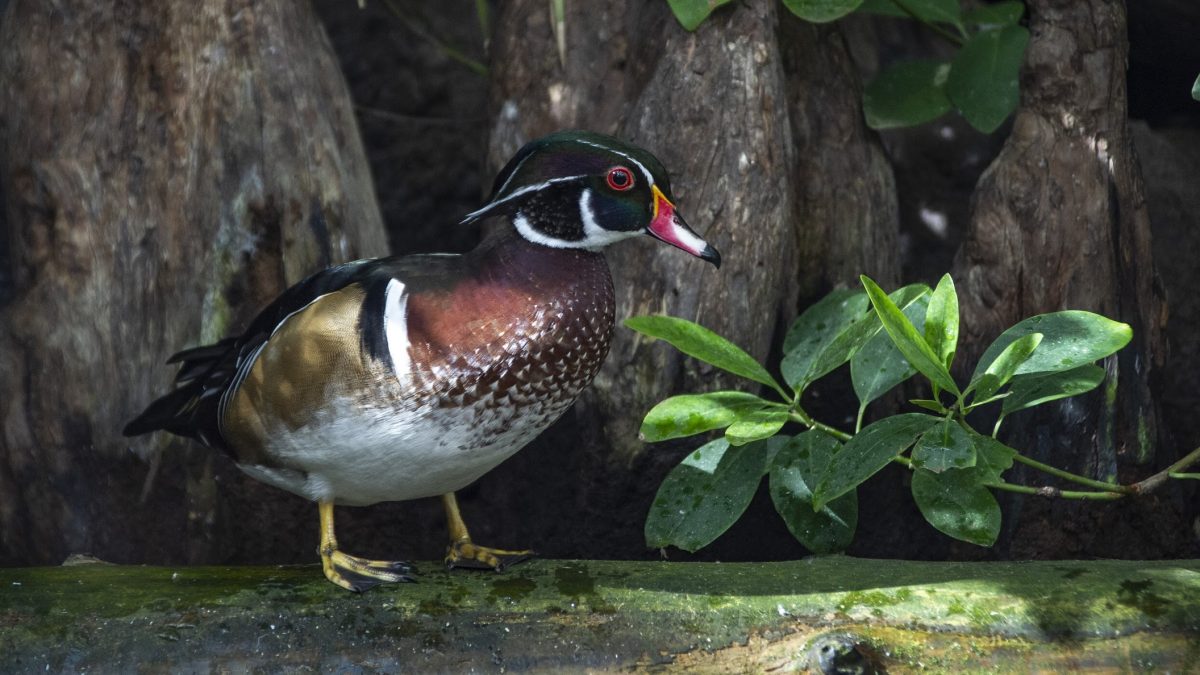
x=525 y=190
x=395 y=328
x=595 y=236
x=641 y=167
x=525 y=228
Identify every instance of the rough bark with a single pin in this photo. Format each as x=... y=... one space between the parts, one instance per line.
x=169 y=167
x=1059 y=221
x=824 y=615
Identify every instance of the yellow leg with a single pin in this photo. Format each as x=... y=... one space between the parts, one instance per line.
x=462 y=552
x=350 y=572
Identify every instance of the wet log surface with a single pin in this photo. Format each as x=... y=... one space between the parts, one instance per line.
x=555 y=614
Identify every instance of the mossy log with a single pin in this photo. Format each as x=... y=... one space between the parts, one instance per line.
x=816 y=614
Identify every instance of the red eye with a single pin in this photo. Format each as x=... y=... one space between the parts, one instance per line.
x=620 y=179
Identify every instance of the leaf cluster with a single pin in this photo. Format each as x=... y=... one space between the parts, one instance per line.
x=814 y=475
x=980 y=81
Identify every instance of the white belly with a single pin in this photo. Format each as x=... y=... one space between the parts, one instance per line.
x=359 y=456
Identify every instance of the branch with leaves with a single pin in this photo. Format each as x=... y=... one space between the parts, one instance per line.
x=887 y=339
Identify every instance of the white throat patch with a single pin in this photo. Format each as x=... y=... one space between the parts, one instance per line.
x=595 y=236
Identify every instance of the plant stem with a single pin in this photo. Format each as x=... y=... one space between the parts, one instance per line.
x=802 y=417
x=1192 y=476
x=1144 y=486
x=1047 y=491
x=1074 y=478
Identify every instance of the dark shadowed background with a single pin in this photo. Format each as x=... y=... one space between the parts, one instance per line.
x=823 y=199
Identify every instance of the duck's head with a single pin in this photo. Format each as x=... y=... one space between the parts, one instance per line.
x=577 y=189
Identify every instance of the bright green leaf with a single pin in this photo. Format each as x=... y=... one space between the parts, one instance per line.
x=996 y=15
x=831 y=353
x=907 y=94
x=794 y=469
x=929 y=404
x=821 y=321
x=1071 y=339
x=815 y=330
x=692 y=414
x=1001 y=370
x=1036 y=389
x=756 y=426
x=699 y=342
x=879 y=366
x=691 y=13
x=941 y=321
x=856 y=335
x=983 y=81
x=907 y=339
x=705 y=494
x=869 y=451
x=956 y=504
x=992 y=458
x=1196 y=88
x=821 y=11
x=946 y=446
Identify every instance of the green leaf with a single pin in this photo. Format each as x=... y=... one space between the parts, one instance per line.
x=815 y=330
x=691 y=13
x=907 y=339
x=692 y=414
x=820 y=321
x=941 y=321
x=882 y=7
x=1196 y=88
x=907 y=94
x=821 y=11
x=1028 y=391
x=756 y=426
x=699 y=342
x=1001 y=370
x=869 y=451
x=929 y=404
x=705 y=494
x=983 y=81
x=795 y=468
x=941 y=11
x=996 y=15
x=1070 y=339
x=879 y=366
x=856 y=335
x=946 y=446
x=992 y=458
x=956 y=504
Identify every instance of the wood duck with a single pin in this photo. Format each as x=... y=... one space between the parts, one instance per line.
x=406 y=377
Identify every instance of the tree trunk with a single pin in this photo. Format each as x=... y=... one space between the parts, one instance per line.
x=1059 y=221
x=169 y=168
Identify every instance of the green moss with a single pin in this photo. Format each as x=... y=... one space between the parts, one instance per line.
x=585 y=614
